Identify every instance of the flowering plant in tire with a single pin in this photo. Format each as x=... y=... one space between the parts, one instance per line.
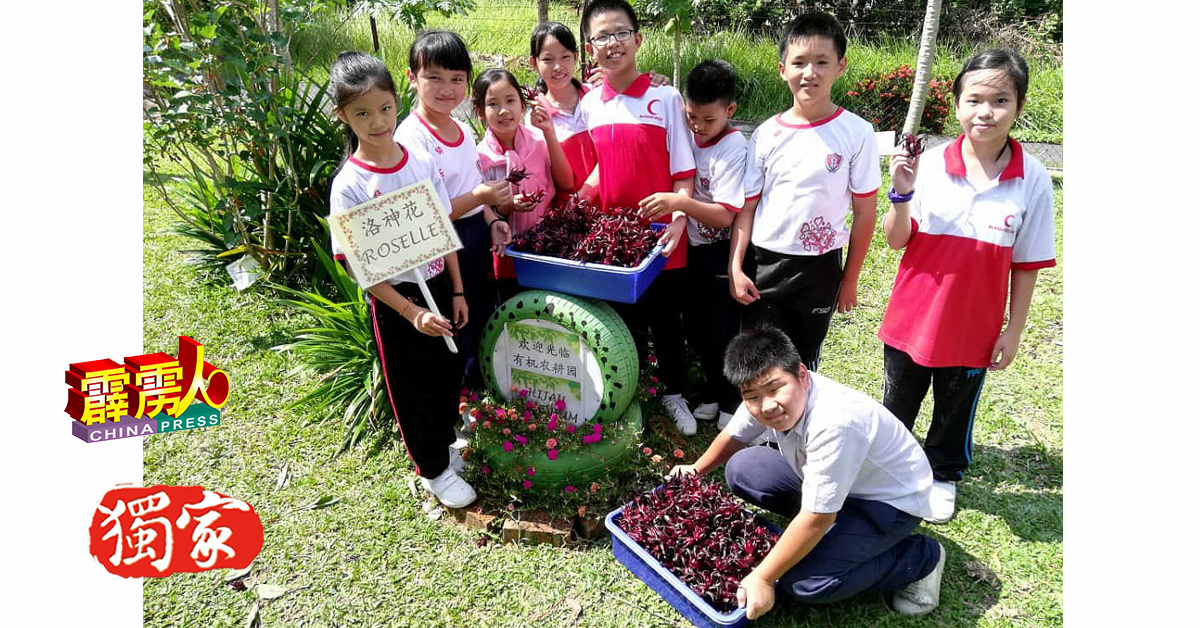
x=522 y=424
x=700 y=533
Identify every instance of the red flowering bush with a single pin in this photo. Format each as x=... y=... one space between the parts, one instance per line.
x=701 y=534
x=883 y=100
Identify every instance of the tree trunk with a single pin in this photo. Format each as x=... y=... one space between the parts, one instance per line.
x=924 y=66
x=678 y=43
x=374 y=35
x=543 y=11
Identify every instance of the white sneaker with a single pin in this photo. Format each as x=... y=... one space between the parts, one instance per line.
x=922 y=596
x=706 y=411
x=678 y=409
x=941 y=499
x=456 y=460
x=451 y=490
x=723 y=420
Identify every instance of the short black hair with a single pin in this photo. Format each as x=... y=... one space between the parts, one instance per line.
x=813 y=24
x=1004 y=59
x=441 y=48
x=712 y=80
x=604 y=6
x=755 y=351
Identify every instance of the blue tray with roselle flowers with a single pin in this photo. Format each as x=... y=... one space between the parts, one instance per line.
x=589 y=279
x=670 y=587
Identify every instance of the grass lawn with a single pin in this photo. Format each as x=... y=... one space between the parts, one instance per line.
x=504 y=30
x=374 y=558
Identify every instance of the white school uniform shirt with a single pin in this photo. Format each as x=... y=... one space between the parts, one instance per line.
x=948 y=301
x=357 y=183
x=847 y=445
x=805 y=175
x=720 y=172
x=457 y=162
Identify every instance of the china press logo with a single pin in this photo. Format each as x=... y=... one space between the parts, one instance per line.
x=108 y=400
x=155 y=531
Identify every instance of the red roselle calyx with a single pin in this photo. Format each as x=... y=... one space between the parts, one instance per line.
x=578 y=231
x=700 y=533
x=913 y=145
x=516 y=175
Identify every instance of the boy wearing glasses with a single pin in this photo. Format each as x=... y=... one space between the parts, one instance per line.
x=643 y=148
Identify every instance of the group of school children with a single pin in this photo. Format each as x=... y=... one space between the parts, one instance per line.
x=754 y=233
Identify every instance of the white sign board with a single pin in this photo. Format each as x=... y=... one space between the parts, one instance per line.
x=551 y=363
x=394 y=233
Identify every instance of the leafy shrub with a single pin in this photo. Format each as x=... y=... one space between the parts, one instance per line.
x=883 y=100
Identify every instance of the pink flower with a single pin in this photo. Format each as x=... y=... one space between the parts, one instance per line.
x=570 y=429
x=678 y=453
x=647 y=450
x=553 y=424
x=523 y=393
x=552 y=454
x=474 y=397
x=512 y=506
x=508 y=446
x=652 y=359
x=595 y=487
x=521 y=439
x=529 y=405
x=554 y=416
x=656 y=458
x=653 y=390
x=486 y=469
x=654 y=379
x=551 y=443
x=530 y=471
x=532 y=426
x=501 y=413
x=464 y=391
x=597 y=428
x=570 y=489
x=506 y=431
x=560 y=405
x=527 y=484
x=487 y=425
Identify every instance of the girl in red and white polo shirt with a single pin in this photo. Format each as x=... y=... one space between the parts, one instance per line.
x=978 y=219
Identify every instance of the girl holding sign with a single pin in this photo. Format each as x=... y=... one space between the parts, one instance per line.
x=421 y=374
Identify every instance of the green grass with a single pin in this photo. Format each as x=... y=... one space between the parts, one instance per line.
x=504 y=30
x=374 y=558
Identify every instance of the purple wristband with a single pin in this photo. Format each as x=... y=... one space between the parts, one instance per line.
x=900 y=198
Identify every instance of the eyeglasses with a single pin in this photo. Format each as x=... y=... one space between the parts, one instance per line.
x=604 y=40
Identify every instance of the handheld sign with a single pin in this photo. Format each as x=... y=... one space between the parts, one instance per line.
x=398 y=232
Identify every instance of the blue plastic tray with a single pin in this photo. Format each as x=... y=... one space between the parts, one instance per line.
x=599 y=281
x=647 y=569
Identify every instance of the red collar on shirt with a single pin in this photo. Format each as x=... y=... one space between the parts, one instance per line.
x=713 y=141
x=378 y=170
x=636 y=89
x=461 y=134
x=955 y=165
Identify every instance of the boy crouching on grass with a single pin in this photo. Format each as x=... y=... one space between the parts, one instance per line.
x=851 y=477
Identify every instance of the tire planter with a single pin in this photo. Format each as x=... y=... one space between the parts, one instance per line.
x=609 y=358
x=579 y=467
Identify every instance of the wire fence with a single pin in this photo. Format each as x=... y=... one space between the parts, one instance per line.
x=877 y=84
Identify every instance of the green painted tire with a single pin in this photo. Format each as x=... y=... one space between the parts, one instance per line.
x=577 y=468
x=613 y=364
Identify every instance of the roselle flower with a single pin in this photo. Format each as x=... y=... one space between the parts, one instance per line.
x=515 y=176
x=913 y=145
x=552 y=454
x=508 y=446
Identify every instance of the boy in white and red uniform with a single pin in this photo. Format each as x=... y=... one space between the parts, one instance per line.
x=712 y=316
x=806 y=168
x=642 y=148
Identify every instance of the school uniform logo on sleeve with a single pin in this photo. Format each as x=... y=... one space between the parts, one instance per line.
x=833 y=161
